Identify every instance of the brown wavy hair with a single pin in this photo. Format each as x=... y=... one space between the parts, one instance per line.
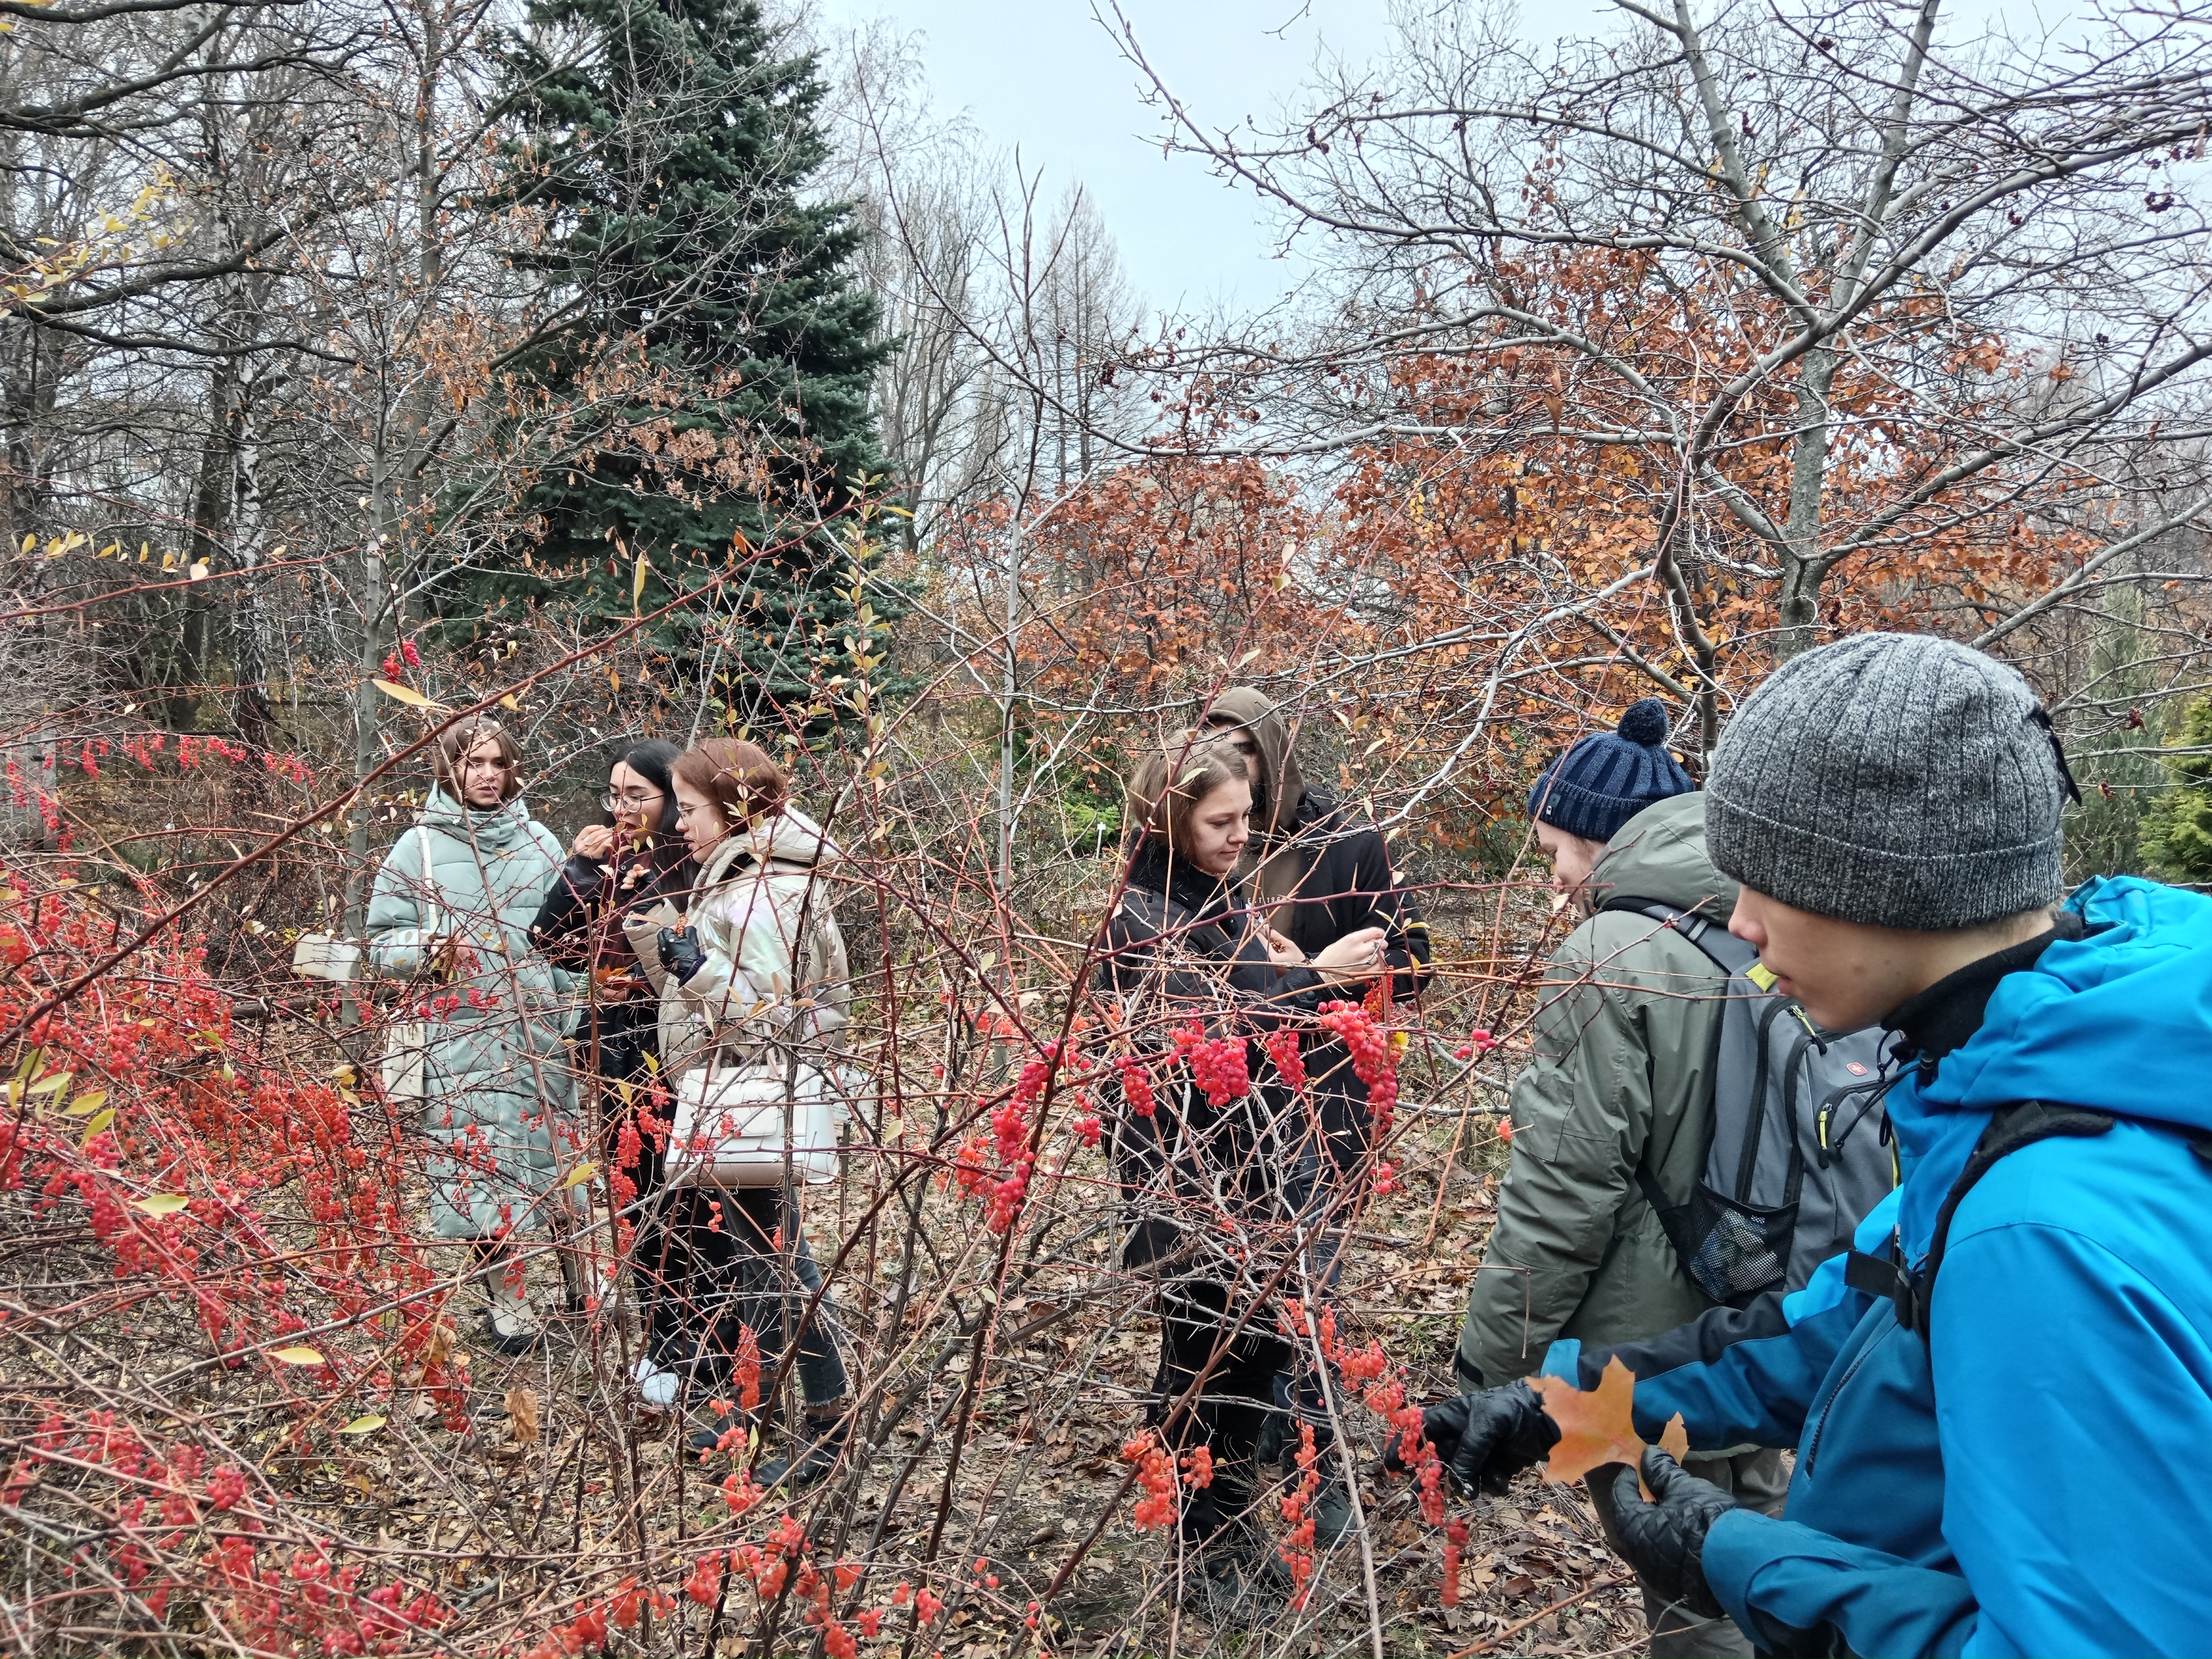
x=736 y=775
x=1200 y=764
x=456 y=743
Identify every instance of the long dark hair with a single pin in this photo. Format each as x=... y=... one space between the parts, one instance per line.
x=654 y=761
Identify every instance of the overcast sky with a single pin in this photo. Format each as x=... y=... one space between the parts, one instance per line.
x=1043 y=74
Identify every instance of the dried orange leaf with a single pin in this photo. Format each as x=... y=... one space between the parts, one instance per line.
x=438 y=1346
x=522 y=1413
x=1675 y=1441
x=1595 y=1428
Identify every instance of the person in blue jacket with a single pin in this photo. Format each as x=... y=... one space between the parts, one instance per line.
x=1997 y=1397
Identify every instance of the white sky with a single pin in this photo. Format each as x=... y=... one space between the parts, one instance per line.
x=1044 y=76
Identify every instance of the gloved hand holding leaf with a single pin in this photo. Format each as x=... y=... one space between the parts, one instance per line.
x=1598 y=1427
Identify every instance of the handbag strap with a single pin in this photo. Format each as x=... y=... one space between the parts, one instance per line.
x=429 y=879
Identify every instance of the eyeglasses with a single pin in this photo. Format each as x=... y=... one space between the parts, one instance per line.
x=614 y=803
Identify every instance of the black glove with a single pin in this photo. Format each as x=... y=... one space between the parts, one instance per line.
x=680 y=953
x=1485 y=1439
x=1665 y=1541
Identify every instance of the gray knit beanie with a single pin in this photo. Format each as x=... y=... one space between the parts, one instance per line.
x=1894 y=779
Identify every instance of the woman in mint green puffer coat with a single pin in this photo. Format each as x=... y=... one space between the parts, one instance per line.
x=488 y=1060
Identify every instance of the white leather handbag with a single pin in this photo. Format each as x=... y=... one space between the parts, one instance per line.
x=326 y=957
x=729 y=1127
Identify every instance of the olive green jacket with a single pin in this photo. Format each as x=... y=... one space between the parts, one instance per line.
x=1626 y=1039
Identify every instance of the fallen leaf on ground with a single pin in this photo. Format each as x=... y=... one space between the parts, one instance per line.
x=521 y=1414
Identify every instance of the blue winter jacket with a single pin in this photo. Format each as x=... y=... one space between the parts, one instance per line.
x=2038 y=1486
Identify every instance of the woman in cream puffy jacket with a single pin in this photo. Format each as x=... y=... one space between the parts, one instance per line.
x=753 y=971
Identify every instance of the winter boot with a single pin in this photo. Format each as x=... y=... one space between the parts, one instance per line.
x=802 y=1463
x=1331 y=1508
x=512 y=1327
x=1237 y=1553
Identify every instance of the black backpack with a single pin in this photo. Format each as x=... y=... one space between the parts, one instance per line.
x=1797 y=1156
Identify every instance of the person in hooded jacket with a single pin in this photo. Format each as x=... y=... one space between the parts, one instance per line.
x=1988 y=1393
x=1626 y=1038
x=1207 y=1172
x=1316 y=871
x=755 y=961
x=450 y=915
x=619 y=867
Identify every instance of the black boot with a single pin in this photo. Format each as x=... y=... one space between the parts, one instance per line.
x=1237 y=1553
x=802 y=1462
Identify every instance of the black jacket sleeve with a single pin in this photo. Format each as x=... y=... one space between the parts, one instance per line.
x=563 y=930
x=1208 y=966
x=1351 y=885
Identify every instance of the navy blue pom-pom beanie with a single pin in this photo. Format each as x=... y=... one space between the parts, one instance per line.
x=1609 y=777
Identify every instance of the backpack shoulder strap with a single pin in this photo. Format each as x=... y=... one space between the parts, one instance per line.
x=1727 y=952
x=2010 y=1128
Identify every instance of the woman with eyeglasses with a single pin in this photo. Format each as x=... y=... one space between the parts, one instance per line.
x=479 y=1035
x=753 y=973
x=625 y=863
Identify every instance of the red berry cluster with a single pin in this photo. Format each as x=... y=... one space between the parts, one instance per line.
x=1136 y=1086
x=1284 y=1055
x=1217 y=1065
x=1455 y=1546
x=1480 y=1042
x=1372 y=1062
x=1296 y=1549
x=1156 y=1474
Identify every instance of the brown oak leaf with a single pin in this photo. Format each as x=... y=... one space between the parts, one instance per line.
x=1598 y=1427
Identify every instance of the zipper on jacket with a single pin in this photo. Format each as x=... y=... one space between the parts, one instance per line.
x=1812 y=1447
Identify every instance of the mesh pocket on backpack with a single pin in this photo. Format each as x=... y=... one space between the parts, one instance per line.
x=1740 y=1249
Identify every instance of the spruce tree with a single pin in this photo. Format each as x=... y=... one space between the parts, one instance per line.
x=2177 y=827
x=670 y=147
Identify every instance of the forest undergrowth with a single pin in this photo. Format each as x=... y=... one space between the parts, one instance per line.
x=248 y=1409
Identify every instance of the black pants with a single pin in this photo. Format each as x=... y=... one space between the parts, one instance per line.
x=710 y=1270
x=1231 y=1410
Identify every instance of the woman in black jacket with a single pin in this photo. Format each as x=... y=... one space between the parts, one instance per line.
x=1216 y=1168
x=627 y=862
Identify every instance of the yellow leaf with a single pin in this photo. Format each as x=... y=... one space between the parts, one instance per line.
x=105 y=1116
x=508 y=701
x=637 y=581
x=578 y=1176
x=54 y=1084
x=297 y=1357
x=367 y=1423
x=86 y=1103
x=160 y=1204
x=406 y=694
x=30 y=542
